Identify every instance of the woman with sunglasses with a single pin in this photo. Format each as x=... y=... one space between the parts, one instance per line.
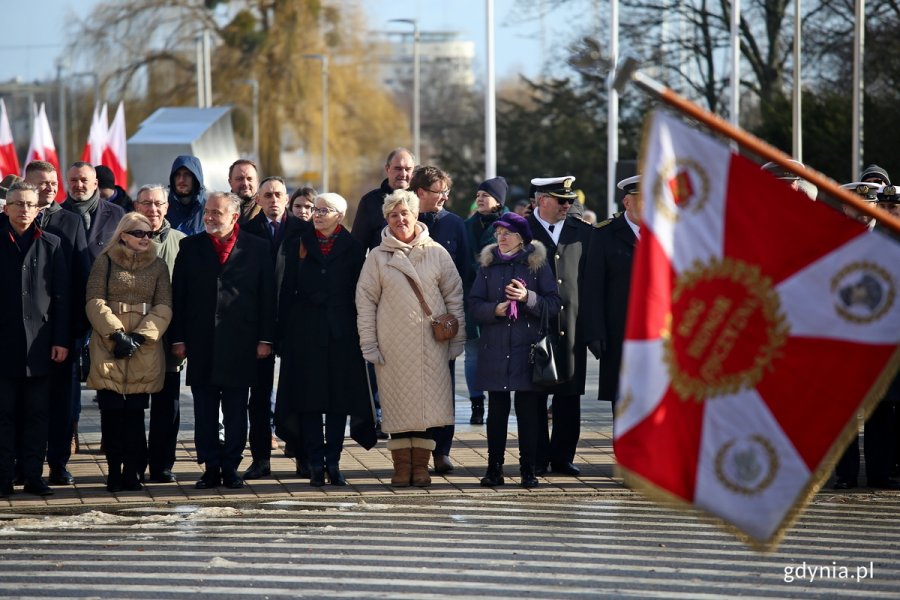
x=129 y=305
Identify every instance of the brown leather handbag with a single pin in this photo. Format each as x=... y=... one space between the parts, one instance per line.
x=445 y=327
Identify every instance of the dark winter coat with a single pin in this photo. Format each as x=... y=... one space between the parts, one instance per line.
x=187 y=217
x=479 y=233
x=369 y=219
x=504 y=344
x=449 y=230
x=222 y=312
x=567 y=263
x=34 y=302
x=104 y=221
x=322 y=367
x=122 y=199
x=606 y=297
x=289 y=228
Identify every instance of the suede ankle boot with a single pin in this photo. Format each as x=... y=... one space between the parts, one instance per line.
x=421 y=454
x=401 y=454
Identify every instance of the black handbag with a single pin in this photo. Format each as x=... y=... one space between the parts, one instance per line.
x=542 y=356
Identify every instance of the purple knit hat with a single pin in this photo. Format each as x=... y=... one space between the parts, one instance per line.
x=517 y=224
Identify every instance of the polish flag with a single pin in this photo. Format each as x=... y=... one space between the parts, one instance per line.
x=760 y=323
x=96 y=141
x=115 y=152
x=42 y=147
x=9 y=162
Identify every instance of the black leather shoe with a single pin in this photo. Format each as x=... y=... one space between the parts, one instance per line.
x=541 y=470
x=477 y=417
x=209 y=480
x=60 y=476
x=565 y=469
x=335 y=477
x=165 y=476
x=316 y=476
x=844 y=485
x=37 y=487
x=6 y=489
x=19 y=478
x=884 y=484
x=528 y=478
x=494 y=475
x=442 y=463
x=258 y=469
x=132 y=485
x=302 y=470
x=231 y=479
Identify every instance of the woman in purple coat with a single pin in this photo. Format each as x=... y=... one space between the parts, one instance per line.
x=514 y=285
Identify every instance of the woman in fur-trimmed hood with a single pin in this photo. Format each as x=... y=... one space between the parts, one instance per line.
x=512 y=288
x=129 y=305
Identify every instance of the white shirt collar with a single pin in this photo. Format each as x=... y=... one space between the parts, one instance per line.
x=557 y=227
x=634 y=226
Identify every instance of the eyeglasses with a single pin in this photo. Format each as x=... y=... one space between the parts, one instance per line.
x=564 y=200
x=441 y=192
x=149 y=203
x=140 y=234
x=323 y=212
x=25 y=205
x=504 y=234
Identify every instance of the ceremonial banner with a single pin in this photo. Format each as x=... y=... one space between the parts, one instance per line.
x=760 y=323
x=115 y=152
x=96 y=141
x=9 y=162
x=43 y=148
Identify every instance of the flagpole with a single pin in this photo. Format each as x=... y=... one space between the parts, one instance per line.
x=628 y=71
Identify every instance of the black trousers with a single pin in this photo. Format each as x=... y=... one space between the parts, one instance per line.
x=559 y=445
x=260 y=410
x=443 y=436
x=879 y=448
x=26 y=400
x=124 y=440
x=323 y=450
x=528 y=406
x=210 y=451
x=61 y=418
x=165 y=420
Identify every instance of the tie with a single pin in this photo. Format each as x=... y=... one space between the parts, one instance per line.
x=551 y=228
x=274 y=226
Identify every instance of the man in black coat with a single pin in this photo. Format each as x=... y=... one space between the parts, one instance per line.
x=607 y=287
x=566 y=238
x=369 y=220
x=100 y=218
x=223 y=289
x=275 y=225
x=65 y=393
x=34 y=316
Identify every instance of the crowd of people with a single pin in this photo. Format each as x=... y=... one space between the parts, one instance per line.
x=125 y=294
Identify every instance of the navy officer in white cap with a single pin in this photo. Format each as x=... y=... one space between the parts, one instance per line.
x=566 y=238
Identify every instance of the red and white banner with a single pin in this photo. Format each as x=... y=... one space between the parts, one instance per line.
x=43 y=148
x=96 y=141
x=115 y=154
x=9 y=162
x=759 y=324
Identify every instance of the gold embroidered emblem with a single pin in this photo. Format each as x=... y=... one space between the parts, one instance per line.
x=863 y=292
x=725 y=329
x=686 y=183
x=747 y=467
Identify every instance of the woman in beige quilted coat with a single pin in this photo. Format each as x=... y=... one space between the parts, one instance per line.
x=129 y=305
x=395 y=335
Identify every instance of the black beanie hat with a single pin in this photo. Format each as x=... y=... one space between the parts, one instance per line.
x=496 y=187
x=105 y=178
x=875 y=171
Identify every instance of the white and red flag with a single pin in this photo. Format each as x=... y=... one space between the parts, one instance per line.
x=759 y=324
x=9 y=161
x=114 y=153
x=43 y=148
x=96 y=141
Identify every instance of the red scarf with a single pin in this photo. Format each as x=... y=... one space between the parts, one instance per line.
x=326 y=243
x=224 y=247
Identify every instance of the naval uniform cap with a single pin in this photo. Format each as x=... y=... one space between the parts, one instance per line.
x=559 y=187
x=867 y=190
x=629 y=185
x=780 y=172
x=889 y=194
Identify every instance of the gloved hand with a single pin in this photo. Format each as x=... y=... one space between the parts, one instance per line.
x=124 y=347
x=137 y=338
x=596 y=347
x=374 y=356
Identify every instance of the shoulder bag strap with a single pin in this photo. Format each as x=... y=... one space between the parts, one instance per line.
x=418 y=292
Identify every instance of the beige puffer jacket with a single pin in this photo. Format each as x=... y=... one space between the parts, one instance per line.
x=135 y=278
x=414 y=379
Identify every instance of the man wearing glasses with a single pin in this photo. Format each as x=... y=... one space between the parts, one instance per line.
x=165 y=411
x=566 y=238
x=34 y=316
x=432 y=186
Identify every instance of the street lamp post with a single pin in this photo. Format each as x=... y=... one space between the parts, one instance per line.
x=324 y=59
x=255 y=85
x=415 y=26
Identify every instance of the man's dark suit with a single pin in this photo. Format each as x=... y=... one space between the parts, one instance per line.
x=34 y=316
x=567 y=262
x=606 y=297
x=103 y=224
x=221 y=313
x=260 y=405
